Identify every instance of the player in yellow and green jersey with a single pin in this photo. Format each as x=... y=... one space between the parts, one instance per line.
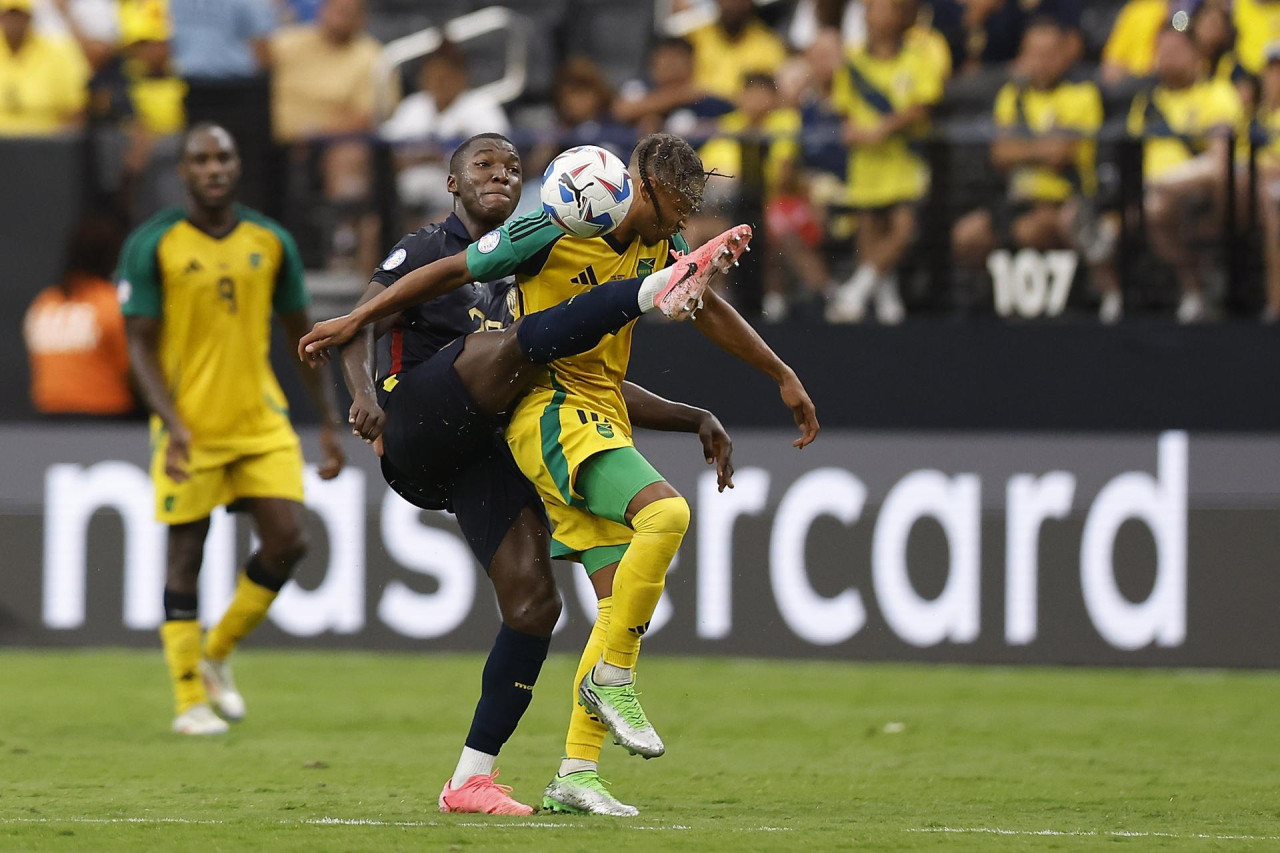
x=571 y=435
x=199 y=286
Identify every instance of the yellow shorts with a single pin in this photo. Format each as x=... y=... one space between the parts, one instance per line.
x=274 y=474
x=549 y=442
x=886 y=176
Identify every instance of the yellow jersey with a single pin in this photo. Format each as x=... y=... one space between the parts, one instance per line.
x=720 y=64
x=867 y=90
x=932 y=44
x=550 y=267
x=159 y=103
x=1072 y=110
x=1257 y=25
x=214 y=298
x=43 y=87
x=1178 y=124
x=780 y=127
x=1132 y=43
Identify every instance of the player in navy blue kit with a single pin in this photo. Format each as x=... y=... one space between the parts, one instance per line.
x=455 y=365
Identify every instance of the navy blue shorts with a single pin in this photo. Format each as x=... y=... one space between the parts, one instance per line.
x=441 y=452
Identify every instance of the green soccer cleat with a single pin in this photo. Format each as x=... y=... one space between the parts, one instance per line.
x=583 y=792
x=619 y=709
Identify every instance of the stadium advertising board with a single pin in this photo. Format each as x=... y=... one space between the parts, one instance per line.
x=1150 y=549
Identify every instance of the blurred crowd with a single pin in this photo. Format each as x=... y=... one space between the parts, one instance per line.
x=1022 y=155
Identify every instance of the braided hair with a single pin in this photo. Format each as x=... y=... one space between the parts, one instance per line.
x=672 y=163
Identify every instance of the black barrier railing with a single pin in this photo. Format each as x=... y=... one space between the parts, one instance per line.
x=962 y=180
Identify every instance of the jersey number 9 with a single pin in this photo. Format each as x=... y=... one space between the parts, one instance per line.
x=227 y=292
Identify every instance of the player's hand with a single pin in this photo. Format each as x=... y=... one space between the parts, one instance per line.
x=806 y=417
x=334 y=456
x=366 y=418
x=314 y=345
x=178 y=454
x=717 y=449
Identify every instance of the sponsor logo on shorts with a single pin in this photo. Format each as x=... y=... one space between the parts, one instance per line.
x=395 y=259
x=489 y=242
x=605 y=430
x=124 y=290
x=169 y=501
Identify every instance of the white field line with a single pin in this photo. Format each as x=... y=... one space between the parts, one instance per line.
x=1090 y=833
x=338 y=821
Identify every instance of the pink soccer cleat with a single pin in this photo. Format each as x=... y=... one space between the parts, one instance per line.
x=481 y=795
x=691 y=273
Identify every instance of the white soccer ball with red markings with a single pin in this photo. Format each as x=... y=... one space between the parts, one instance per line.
x=587 y=191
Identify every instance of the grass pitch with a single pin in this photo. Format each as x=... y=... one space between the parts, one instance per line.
x=349 y=751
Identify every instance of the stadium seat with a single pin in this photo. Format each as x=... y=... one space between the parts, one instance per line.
x=593 y=28
x=546 y=40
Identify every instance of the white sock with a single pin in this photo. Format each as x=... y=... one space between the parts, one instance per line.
x=575 y=765
x=608 y=675
x=649 y=288
x=472 y=763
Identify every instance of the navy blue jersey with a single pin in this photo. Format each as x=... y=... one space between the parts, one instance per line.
x=423 y=329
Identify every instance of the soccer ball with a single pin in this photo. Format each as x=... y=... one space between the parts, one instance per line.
x=587 y=191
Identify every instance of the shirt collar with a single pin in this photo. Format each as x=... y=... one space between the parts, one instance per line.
x=453 y=225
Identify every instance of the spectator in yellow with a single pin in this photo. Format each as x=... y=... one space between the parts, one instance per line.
x=323 y=86
x=1185 y=122
x=42 y=81
x=1266 y=135
x=760 y=119
x=922 y=37
x=1215 y=37
x=768 y=128
x=155 y=91
x=1046 y=142
x=1257 y=26
x=885 y=93
x=1131 y=48
x=735 y=45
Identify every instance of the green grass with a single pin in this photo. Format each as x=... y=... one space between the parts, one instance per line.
x=762 y=756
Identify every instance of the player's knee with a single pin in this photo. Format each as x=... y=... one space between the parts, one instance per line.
x=286 y=551
x=538 y=611
x=668 y=515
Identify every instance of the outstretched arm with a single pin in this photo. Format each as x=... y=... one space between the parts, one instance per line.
x=321 y=393
x=722 y=324
x=421 y=285
x=649 y=411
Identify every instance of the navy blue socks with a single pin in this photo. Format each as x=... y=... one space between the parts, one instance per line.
x=506 y=688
